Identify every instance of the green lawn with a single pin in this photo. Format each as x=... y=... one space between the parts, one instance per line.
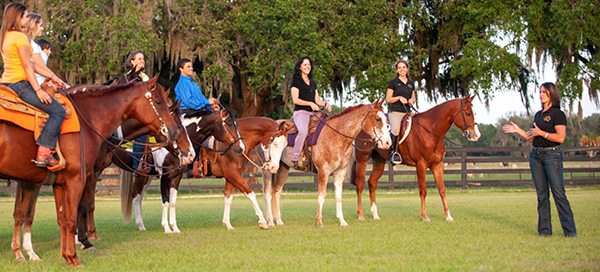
x=495 y=230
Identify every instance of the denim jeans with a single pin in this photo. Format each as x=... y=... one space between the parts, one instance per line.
x=547 y=173
x=56 y=112
x=138 y=150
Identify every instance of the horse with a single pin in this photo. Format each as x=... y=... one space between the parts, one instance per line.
x=330 y=154
x=255 y=131
x=102 y=110
x=423 y=148
x=220 y=124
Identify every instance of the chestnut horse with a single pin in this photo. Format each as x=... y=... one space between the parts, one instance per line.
x=101 y=110
x=331 y=153
x=423 y=148
x=220 y=124
x=254 y=131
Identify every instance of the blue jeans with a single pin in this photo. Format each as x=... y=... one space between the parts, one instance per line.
x=56 y=112
x=138 y=150
x=547 y=173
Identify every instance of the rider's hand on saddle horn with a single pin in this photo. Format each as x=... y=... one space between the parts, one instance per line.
x=328 y=107
x=59 y=83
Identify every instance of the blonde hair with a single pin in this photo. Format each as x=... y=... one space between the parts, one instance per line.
x=31 y=27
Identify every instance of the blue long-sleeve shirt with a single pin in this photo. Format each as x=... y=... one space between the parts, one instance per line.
x=189 y=94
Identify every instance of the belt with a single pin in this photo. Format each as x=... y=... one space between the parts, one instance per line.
x=542 y=150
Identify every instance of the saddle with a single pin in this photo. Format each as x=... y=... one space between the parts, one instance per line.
x=405 y=126
x=14 y=110
x=315 y=125
x=201 y=166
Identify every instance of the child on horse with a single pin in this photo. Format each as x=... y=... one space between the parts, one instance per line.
x=400 y=96
x=19 y=75
x=306 y=101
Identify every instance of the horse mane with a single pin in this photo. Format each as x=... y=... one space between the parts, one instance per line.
x=82 y=91
x=439 y=106
x=346 y=110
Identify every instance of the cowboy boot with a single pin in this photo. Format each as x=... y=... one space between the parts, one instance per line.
x=395 y=157
x=44 y=157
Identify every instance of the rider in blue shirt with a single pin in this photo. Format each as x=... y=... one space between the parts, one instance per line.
x=188 y=92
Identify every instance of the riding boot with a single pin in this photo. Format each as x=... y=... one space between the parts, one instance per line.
x=395 y=157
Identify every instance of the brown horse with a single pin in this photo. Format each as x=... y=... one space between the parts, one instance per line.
x=254 y=130
x=423 y=148
x=100 y=111
x=331 y=153
x=220 y=124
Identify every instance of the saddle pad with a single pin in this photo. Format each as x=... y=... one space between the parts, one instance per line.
x=23 y=114
x=312 y=138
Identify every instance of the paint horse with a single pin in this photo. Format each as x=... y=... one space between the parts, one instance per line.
x=423 y=148
x=101 y=110
x=330 y=155
x=255 y=131
x=220 y=124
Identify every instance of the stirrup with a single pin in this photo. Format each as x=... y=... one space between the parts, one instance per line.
x=396 y=158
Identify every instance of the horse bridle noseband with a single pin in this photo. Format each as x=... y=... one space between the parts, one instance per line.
x=462 y=111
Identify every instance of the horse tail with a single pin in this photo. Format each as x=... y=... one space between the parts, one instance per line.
x=126 y=198
x=352 y=168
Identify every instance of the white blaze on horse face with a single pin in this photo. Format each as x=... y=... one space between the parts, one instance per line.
x=275 y=149
x=195 y=120
x=473 y=137
x=383 y=134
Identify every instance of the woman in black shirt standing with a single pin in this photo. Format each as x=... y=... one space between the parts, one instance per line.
x=306 y=101
x=546 y=160
x=400 y=96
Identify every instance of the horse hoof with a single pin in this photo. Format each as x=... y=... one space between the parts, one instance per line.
x=361 y=218
x=271 y=224
x=94 y=236
x=426 y=219
x=20 y=259
x=450 y=220
x=264 y=226
x=92 y=248
x=35 y=258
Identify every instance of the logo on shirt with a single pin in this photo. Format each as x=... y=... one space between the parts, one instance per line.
x=410 y=85
x=547 y=118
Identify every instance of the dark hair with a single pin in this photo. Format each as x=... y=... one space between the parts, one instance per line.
x=298 y=72
x=396 y=67
x=182 y=63
x=11 y=20
x=553 y=93
x=128 y=65
x=43 y=43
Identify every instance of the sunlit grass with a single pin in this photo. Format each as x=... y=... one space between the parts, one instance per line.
x=495 y=230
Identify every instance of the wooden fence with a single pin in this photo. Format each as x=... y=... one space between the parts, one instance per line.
x=466 y=160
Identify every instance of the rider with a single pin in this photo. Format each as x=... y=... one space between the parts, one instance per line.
x=189 y=93
x=33 y=28
x=46 y=47
x=400 y=96
x=19 y=75
x=306 y=101
x=134 y=63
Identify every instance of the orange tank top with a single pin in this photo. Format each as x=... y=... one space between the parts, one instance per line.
x=13 y=67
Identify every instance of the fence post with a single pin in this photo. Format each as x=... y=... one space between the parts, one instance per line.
x=463 y=169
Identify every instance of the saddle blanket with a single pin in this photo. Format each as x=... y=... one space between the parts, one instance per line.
x=312 y=138
x=24 y=115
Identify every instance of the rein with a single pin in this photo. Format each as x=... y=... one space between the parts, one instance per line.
x=465 y=131
x=373 y=141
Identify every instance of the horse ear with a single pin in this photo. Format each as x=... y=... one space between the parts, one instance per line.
x=228 y=108
x=167 y=92
x=470 y=98
x=152 y=82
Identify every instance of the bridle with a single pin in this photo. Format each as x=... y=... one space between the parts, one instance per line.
x=462 y=111
x=231 y=139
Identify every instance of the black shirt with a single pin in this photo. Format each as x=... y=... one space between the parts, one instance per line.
x=546 y=122
x=305 y=92
x=401 y=89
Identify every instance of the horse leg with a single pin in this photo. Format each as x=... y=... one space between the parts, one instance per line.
x=90 y=192
x=66 y=200
x=338 y=182
x=82 y=224
x=421 y=172
x=165 y=198
x=280 y=179
x=359 y=166
x=268 y=180
x=378 y=168
x=322 y=192
x=228 y=198
x=235 y=178
x=140 y=186
x=438 y=175
x=25 y=201
x=173 y=200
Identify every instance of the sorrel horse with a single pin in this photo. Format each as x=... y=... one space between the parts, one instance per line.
x=423 y=148
x=100 y=111
x=331 y=153
x=220 y=124
x=254 y=130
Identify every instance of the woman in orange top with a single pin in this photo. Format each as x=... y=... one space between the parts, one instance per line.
x=19 y=75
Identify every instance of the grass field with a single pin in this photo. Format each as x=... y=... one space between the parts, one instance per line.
x=495 y=230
